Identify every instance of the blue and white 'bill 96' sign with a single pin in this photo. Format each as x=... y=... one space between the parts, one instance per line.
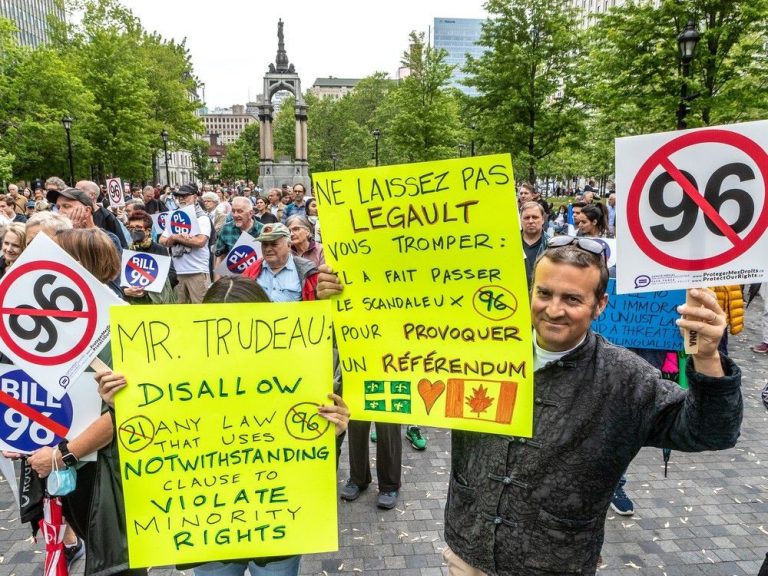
x=30 y=417
x=144 y=271
x=183 y=221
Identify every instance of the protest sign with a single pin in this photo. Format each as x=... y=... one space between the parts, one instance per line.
x=692 y=208
x=183 y=221
x=144 y=270
x=115 y=193
x=159 y=222
x=642 y=320
x=434 y=324
x=55 y=315
x=31 y=418
x=244 y=253
x=222 y=452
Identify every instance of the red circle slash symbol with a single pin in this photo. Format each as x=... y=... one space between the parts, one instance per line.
x=694 y=200
x=82 y=302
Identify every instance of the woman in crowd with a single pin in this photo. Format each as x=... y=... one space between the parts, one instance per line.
x=592 y=221
x=87 y=246
x=312 y=217
x=302 y=240
x=14 y=243
x=232 y=290
x=261 y=212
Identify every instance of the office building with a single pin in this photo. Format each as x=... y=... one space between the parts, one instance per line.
x=228 y=123
x=31 y=19
x=459 y=37
x=334 y=88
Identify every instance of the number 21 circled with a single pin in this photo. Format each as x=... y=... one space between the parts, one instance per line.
x=662 y=158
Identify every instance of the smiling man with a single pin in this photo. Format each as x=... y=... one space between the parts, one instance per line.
x=534 y=506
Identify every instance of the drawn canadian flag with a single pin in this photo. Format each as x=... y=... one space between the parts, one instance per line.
x=490 y=400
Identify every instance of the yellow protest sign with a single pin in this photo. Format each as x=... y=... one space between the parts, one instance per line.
x=434 y=324
x=222 y=452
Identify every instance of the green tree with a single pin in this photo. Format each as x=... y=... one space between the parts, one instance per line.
x=526 y=80
x=284 y=129
x=632 y=73
x=233 y=166
x=424 y=123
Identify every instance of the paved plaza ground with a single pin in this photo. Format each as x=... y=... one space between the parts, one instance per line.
x=708 y=517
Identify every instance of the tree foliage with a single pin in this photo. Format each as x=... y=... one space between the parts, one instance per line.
x=526 y=80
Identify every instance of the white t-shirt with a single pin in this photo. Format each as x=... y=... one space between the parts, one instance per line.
x=197 y=259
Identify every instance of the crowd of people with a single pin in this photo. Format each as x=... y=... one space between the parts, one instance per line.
x=590 y=421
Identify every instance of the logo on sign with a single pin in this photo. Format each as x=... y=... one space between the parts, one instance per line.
x=141 y=270
x=240 y=258
x=162 y=220
x=28 y=412
x=181 y=223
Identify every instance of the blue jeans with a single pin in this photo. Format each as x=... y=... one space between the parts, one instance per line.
x=286 y=567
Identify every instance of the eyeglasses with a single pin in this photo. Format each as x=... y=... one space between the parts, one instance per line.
x=136 y=229
x=591 y=246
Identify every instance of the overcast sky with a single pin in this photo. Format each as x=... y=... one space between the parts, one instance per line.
x=232 y=42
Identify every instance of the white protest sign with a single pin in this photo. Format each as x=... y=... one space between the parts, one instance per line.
x=143 y=270
x=159 y=221
x=244 y=253
x=183 y=220
x=692 y=208
x=54 y=315
x=115 y=193
x=31 y=418
x=609 y=245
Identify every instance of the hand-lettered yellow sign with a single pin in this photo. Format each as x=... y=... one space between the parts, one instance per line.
x=434 y=324
x=222 y=452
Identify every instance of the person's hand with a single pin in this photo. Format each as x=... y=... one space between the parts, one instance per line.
x=133 y=292
x=328 y=283
x=338 y=413
x=109 y=385
x=78 y=215
x=708 y=319
x=40 y=461
x=12 y=455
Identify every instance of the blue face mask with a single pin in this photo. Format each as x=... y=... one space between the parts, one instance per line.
x=61 y=481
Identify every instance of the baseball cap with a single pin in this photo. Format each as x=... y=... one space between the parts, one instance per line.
x=186 y=190
x=72 y=193
x=31 y=204
x=272 y=232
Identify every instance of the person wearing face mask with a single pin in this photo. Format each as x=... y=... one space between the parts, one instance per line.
x=140 y=229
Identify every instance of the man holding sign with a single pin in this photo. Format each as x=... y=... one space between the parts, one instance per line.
x=530 y=506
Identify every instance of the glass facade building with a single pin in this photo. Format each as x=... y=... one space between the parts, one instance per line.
x=459 y=37
x=31 y=18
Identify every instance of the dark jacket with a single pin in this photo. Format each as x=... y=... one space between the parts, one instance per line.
x=530 y=507
x=105 y=220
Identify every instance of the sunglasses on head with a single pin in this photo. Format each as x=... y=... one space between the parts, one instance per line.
x=591 y=246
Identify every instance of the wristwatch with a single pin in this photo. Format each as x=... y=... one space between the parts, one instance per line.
x=67 y=456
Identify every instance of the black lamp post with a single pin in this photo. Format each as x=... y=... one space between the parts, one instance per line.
x=376 y=136
x=461 y=149
x=164 y=136
x=334 y=158
x=686 y=42
x=67 y=121
x=245 y=157
x=472 y=142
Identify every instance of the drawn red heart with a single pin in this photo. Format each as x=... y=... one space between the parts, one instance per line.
x=430 y=392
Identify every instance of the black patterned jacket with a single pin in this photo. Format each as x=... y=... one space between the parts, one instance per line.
x=530 y=507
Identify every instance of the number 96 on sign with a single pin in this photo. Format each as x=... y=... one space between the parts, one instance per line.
x=240 y=258
x=27 y=432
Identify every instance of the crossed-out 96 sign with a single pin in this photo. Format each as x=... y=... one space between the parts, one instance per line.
x=31 y=328
x=240 y=258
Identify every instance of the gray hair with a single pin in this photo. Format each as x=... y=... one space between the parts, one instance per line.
x=56 y=181
x=210 y=196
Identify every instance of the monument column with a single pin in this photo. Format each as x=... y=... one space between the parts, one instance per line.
x=301 y=132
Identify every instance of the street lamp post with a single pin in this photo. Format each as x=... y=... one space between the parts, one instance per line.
x=164 y=136
x=461 y=149
x=67 y=121
x=245 y=157
x=376 y=136
x=334 y=158
x=686 y=42
x=472 y=142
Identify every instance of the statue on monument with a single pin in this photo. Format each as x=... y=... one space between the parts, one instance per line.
x=281 y=61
